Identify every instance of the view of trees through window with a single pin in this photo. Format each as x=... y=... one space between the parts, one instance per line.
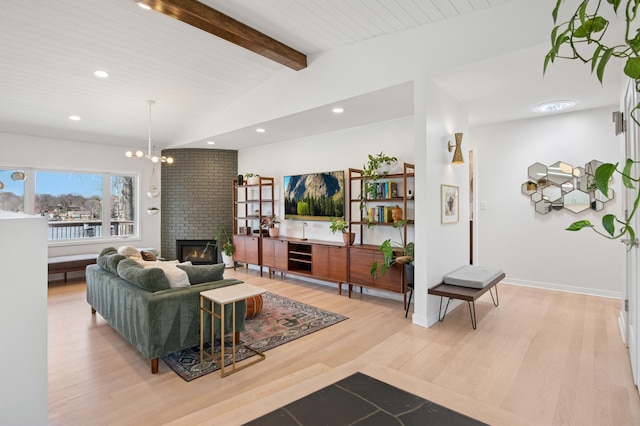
x=77 y=205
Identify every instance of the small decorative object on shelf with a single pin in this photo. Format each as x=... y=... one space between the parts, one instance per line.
x=252 y=179
x=153 y=210
x=303 y=225
x=240 y=179
x=396 y=213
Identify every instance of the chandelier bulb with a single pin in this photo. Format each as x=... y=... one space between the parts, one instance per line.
x=129 y=154
x=139 y=154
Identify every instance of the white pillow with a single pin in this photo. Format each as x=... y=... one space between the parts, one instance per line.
x=130 y=252
x=176 y=276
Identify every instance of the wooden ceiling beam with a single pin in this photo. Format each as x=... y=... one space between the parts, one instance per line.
x=217 y=23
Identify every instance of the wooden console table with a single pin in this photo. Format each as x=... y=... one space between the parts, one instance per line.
x=468 y=294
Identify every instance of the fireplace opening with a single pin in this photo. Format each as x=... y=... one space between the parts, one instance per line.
x=194 y=251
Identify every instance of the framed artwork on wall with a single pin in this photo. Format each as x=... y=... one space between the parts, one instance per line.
x=449 y=203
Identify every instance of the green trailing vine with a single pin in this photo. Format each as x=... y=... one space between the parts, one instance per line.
x=582 y=38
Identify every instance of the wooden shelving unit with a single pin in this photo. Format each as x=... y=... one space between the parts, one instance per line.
x=251 y=202
x=363 y=254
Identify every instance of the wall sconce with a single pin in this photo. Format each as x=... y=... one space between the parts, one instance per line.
x=457 y=155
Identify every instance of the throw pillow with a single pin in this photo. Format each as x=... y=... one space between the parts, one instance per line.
x=150 y=279
x=176 y=277
x=130 y=252
x=203 y=273
x=147 y=255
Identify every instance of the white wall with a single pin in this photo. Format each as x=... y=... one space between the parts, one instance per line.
x=534 y=249
x=23 y=315
x=25 y=151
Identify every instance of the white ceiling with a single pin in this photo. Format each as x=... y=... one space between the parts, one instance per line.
x=49 y=51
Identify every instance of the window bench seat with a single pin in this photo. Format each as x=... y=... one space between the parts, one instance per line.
x=70 y=263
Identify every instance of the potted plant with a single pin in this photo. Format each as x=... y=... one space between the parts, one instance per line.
x=582 y=37
x=252 y=178
x=338 y=224
x=153 y=210
x=396 y=252
x=531 y=185
x=227 y=249
x=270 y=222
x=377 y=166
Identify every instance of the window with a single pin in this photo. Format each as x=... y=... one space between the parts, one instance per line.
x=79 y=206
x=11 y=190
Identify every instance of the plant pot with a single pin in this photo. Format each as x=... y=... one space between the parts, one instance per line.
x=274 y=232
x=408 y=274
x=349 y=238
x=227 y=260
x=153 y=210
x=253 y=180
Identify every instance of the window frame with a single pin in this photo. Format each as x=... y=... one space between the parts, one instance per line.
x=30 y=195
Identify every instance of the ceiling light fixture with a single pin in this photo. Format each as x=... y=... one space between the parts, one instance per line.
x=143 y=6
x=151 y=155
x=553 y=106
x=337 y=110
x=211 y=143
x=260 y=130
x=75 y=117
x=101 y=74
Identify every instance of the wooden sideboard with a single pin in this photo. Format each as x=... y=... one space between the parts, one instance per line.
x=361 y=257
x=324 y=260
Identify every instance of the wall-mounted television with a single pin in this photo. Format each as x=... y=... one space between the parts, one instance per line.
x=314 y=196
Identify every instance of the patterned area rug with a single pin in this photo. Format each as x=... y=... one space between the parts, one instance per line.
x=280 y=321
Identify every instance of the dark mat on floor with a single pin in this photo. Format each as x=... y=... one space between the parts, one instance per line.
x=362 y=400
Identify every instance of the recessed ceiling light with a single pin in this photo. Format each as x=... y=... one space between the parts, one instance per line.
x=260 y=130
x=338 y=110
x=101 y=74
x=75 y=117
x=211 y=143
x=144 y=6
x=553 y=106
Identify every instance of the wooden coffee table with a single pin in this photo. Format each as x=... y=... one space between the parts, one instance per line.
x=224 y=296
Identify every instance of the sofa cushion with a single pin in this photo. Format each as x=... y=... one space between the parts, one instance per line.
x=203 y=273
x=109 y=259
x=150 y=279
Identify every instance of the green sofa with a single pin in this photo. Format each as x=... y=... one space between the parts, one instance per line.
x=139 y=304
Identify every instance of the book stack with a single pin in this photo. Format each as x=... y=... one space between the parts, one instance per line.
x=380 y=214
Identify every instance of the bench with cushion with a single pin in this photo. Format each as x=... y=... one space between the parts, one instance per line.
x=71 y=263
x=468 y=283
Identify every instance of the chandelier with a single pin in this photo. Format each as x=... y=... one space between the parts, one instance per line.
x=151 y=155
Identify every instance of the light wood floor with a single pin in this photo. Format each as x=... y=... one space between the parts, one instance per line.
x=540 y=358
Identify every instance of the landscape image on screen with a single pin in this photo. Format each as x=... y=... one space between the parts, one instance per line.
x=314 y=196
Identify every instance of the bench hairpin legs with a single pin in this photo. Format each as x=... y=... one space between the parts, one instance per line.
x=474 y=321
x=441 y=318
x=496 y=301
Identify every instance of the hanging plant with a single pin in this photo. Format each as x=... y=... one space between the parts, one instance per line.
x=582 y=38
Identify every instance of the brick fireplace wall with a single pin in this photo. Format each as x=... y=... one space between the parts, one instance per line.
x=196 y=195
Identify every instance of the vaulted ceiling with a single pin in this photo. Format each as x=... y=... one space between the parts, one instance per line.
x=49 y=51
